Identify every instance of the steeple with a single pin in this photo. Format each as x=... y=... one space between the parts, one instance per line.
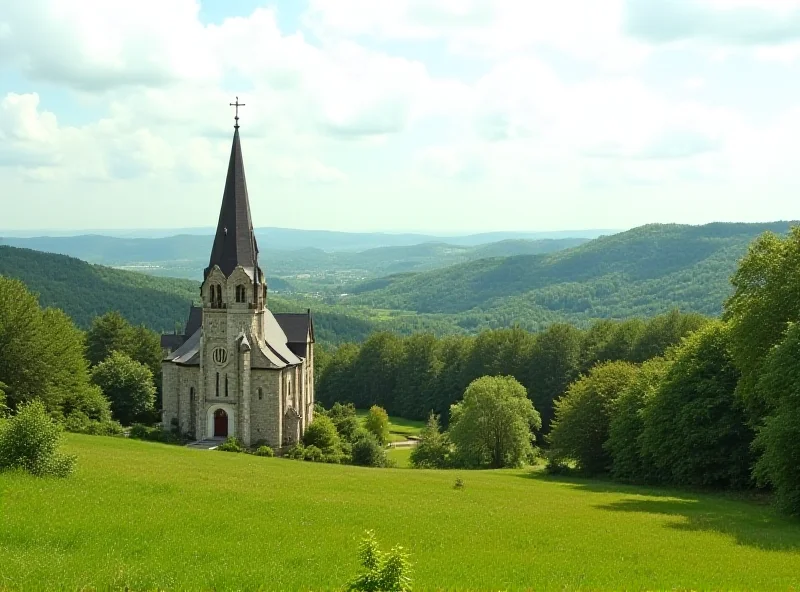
x=235 y=244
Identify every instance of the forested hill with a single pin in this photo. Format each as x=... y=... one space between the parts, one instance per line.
x=640 y=272
x=85 y=291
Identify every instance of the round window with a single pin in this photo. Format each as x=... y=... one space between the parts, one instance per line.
x=220 y=355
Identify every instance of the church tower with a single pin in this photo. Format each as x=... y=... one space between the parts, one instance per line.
x=243 y=371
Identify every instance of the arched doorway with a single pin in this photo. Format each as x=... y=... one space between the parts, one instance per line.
x=220 y=424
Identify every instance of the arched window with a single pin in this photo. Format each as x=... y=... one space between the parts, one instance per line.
x=260 y=393
x=217 y=391
x=191 y=393
x=226 y=385
x=219 y=296
x=241 y=293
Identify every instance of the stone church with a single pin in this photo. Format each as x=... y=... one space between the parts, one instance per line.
x=239 y=370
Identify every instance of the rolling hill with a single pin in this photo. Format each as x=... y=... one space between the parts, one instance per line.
x=640 y=272
x=84 y=291
x=187 y=255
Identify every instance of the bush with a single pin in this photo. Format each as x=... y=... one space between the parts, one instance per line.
x=321 y=433
x=377 y=422
x=387 y=572
x=80 y=423
x=231 y=444
x=127 y=384
x=296 y=452
x=367 y=452
x=264 y=451
x=153 y=434
x=30 y=441
x=433 y=449
x=312 y=453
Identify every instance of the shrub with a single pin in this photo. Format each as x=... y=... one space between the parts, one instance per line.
x=377 y=422
x=30 y=441
x=264 y=451
x=385 y=572
x=433 y=449
x=296 y=452
x=127 y=384
x=321 y=434
x=153 y=434
x=231 y=444
x=367 y=452
x=80 y=423
x=312 y=453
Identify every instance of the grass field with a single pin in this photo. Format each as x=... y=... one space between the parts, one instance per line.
x=401 y=456
x=400 y=429
x=151 y=516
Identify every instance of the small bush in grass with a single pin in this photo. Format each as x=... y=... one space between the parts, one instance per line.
x=321 y=433
x=153 y=434
x=385 y=572
x=30 y=441
x=264 y=451
x=367 y=452
x=232 y=444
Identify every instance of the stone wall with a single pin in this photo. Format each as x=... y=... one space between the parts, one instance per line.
x=266 y=412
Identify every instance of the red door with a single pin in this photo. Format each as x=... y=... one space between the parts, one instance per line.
x=220 y=424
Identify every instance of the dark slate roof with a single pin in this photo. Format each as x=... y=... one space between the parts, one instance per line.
x=195 y=320
x=234 y=244
x=296 y=325
x=172 y=342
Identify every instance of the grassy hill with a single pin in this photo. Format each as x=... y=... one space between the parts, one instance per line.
x=147 y=516
x=643 y=271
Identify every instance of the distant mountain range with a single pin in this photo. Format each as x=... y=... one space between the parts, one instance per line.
x=642 y=272
x=187 y=255
x=287 y=239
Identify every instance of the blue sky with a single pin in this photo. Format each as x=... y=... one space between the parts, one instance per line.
x=395 y=115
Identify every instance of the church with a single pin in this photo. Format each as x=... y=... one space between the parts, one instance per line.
x=239 y=370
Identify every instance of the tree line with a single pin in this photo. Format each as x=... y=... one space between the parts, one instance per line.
x=93 y=381
x=413 y=376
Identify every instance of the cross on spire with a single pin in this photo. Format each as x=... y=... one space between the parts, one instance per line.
x=237 y=104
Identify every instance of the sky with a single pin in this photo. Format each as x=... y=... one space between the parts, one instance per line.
x=400 y=115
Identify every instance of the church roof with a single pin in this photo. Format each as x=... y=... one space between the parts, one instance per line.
x=297 y=327
x=234 y=243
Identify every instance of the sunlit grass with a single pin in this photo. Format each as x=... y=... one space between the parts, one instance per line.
x=151 y=516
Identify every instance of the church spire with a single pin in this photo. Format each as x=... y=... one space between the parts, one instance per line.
x=235 y=244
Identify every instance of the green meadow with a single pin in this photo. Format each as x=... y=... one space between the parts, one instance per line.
x=150 y=516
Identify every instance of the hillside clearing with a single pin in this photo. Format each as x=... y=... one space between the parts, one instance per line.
x=150 y=516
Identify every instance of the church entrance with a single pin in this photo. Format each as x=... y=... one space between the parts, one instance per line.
x=220 y=424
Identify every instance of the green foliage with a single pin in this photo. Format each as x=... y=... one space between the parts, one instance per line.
x=80 y=423
x=627 y=424
x=381 y=572
x=321 y=433
x=582 y=416
x=778 y=438
x=433 y=449
x=264 y=451
x=231 y=444
x=492 y=425
x=42 y=356
x=313 y=453
x=368 y=452
x=764 y=302
x=153 y=434
x=694 y=431
x=127 y=384
x=30 y=441
x=377 y=422
x=345 y=419
x=296 y=451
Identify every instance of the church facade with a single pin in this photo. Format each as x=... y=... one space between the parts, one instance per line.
x=239 y=370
